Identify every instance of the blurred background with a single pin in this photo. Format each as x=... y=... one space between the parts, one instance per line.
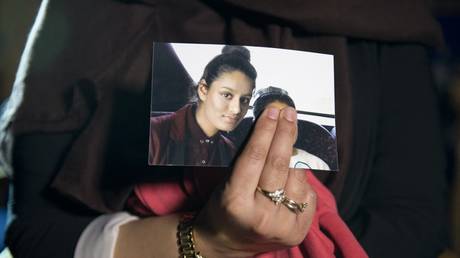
x=16 y=18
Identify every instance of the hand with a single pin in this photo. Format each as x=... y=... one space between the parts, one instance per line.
x=240 y=221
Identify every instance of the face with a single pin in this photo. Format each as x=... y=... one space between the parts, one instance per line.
x=224 y=103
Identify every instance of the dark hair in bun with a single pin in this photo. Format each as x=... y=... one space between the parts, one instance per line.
x=237 y=50
x=232 y=58
x=269 y=95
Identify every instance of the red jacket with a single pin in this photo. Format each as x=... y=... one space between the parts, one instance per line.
x=328 y=235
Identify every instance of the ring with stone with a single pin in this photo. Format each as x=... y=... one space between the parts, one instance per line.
x=276 y=196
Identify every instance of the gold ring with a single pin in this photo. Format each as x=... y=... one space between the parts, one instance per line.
x=302 y=206
x=277 y=196
x=294 y=206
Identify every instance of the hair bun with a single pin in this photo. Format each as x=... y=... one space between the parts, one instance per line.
x=237 y=50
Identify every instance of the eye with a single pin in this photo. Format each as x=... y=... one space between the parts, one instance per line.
x=245 y=101
x=227 y=95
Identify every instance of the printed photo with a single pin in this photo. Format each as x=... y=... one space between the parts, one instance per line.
x=205 y=99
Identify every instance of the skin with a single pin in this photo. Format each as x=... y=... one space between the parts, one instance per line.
x=277 y=104
x=238 y=221
x=281 y=105
x=224 y=103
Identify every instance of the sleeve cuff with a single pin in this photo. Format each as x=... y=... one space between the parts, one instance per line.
x=99 y=238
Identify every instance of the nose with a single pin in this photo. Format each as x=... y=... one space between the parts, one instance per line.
x=234 y=107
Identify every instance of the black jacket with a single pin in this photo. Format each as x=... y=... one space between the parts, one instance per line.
x=89 y=68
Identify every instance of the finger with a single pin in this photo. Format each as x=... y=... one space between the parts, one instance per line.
x=276 y=169
x=250 y=163
x=296 y=223
x=299 y=190
x=296 y=186
x=295 y=190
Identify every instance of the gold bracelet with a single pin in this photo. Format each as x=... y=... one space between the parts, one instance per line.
x=185 y=239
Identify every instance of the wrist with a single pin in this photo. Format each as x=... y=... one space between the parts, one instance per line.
x=186 y=238
x=212 y=243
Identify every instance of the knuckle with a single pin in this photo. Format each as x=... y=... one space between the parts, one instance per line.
x=232 y=209
x=302 y=193
x=256 y=152
x=291 y=237
x=289 y=129
x=280 y=164
x=233 y=201
x=312 y=196
x=262 y=226
x=300 y=175
x=265 y=125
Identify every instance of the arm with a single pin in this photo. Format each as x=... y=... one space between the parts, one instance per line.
x=158 y=238
x=48 y=225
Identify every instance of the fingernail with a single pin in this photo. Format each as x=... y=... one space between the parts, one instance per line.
x=289 y=114
x=273 y=113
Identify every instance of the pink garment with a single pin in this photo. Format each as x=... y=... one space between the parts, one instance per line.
x=328 y=235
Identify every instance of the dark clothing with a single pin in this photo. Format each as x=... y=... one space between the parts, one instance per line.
x=178 y=139
x=96 y=129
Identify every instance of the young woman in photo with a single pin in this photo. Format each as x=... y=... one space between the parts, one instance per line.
x=192 y=135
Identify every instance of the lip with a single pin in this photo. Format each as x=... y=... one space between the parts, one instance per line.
x=231 y=119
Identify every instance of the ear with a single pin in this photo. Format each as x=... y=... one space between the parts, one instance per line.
x=202 y=90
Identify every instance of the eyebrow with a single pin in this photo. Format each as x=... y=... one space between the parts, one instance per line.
x=232 y=91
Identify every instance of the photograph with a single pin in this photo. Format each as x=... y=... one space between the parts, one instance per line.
x=205 y=99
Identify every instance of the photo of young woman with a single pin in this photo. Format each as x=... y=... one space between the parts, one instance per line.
x=279 y=98
x=192 y=135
